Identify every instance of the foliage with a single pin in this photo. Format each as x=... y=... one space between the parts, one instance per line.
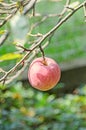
x=24 y=108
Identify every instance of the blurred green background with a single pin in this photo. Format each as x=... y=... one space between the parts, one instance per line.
x=21 y=106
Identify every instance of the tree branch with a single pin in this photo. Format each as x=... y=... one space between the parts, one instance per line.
x=14 y=8
x=45 y=36
x=3 y=38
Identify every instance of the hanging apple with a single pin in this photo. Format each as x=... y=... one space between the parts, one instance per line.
x=44 y=73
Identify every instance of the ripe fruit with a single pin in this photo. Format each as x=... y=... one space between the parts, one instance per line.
x=44 y=74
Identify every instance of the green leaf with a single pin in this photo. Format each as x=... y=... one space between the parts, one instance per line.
x=2 y=32
x=10 y=56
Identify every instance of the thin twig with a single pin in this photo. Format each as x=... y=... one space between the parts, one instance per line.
x=8 y=17
x=24 y=49
x=3 y=38
x=65 y=9
x=84 y=7
x=30 y=5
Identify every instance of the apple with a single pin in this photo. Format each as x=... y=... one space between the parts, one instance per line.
x=44 y=73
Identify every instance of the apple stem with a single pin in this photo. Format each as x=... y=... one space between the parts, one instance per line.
x=44 y=61
x=43 y=55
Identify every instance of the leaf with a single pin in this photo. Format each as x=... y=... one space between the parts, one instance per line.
x=10 y=56
x=2 y=32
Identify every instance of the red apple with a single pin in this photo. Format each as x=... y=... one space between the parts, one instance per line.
x=44 y=74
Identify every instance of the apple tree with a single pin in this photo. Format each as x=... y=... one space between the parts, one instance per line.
x=19 y=26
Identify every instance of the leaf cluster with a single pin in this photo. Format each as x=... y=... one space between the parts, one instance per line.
x=25 y=108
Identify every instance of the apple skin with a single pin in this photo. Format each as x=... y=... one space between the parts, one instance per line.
x=44 y=74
